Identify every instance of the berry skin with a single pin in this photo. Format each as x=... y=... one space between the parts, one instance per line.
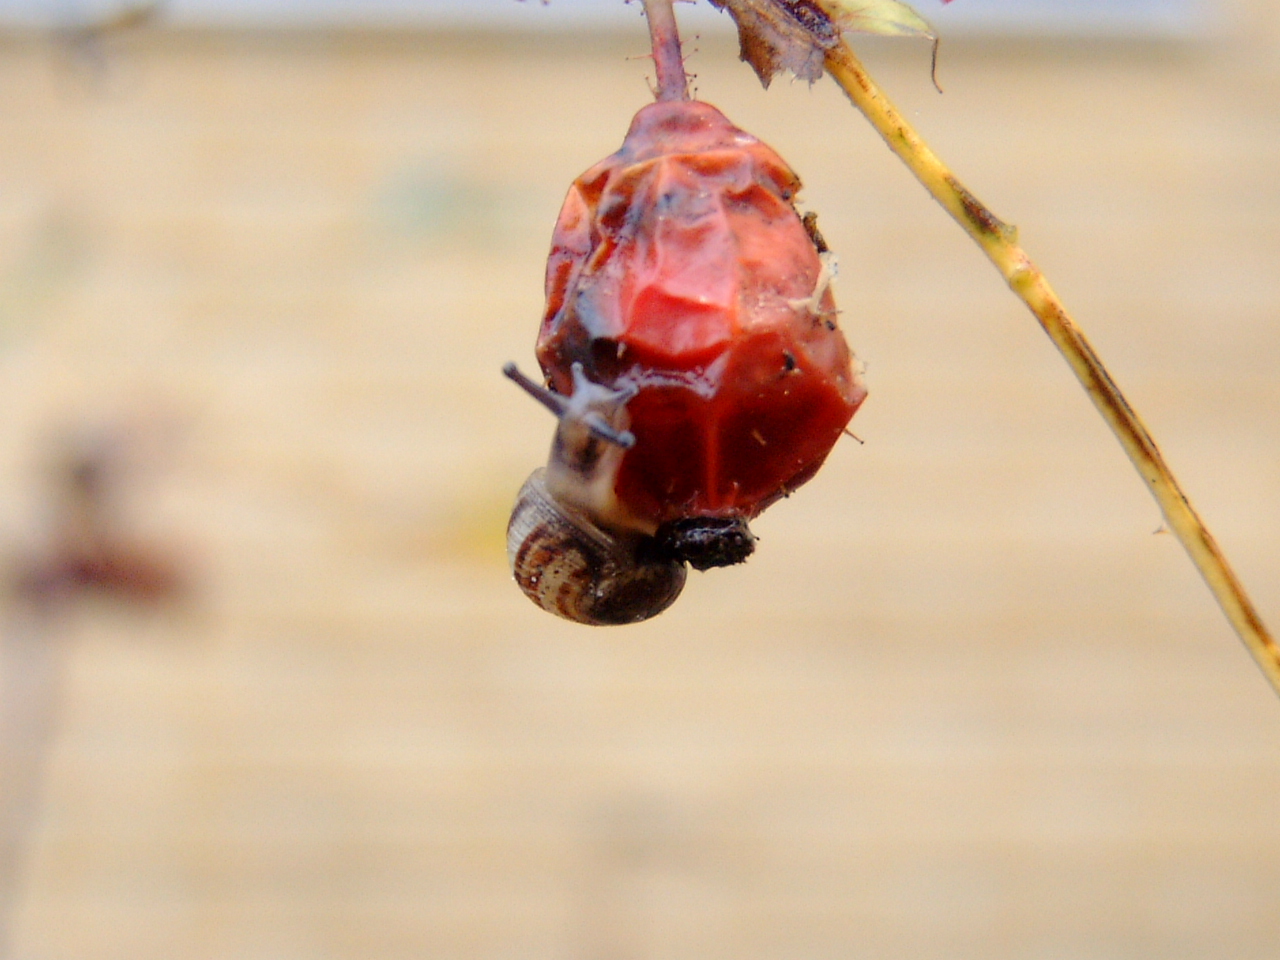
x=680 y=269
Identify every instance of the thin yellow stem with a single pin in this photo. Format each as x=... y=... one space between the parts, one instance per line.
x=999 y=241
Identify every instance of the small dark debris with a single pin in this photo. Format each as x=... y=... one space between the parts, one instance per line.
x=810 y=221
x=706 y=542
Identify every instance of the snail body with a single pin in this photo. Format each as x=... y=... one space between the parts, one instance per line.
x=574 y=549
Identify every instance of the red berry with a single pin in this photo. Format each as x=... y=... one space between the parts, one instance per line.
x=679 y=267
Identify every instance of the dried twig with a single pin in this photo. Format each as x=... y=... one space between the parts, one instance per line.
x=668 y=60
x=999 y=241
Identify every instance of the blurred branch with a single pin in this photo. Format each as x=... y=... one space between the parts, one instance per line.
x=30 y=683
x=84 y=38
x=127 y=17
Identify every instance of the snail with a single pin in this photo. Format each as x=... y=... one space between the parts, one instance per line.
x=692 y=355
x=572 y=547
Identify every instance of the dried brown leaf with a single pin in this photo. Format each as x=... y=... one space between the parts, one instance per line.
x=780 y=36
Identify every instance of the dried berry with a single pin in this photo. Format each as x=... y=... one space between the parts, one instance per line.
x=680 y=266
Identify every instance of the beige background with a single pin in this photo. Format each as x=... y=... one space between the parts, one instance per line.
x=966 y=701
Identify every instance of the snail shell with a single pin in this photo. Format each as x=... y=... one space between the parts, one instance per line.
x=570 y=566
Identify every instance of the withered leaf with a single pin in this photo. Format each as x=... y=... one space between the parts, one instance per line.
x=890 y=18
x=778 y=36
x=781 y=36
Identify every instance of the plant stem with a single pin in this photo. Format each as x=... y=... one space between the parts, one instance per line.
x=668 y=59
x=999 y=241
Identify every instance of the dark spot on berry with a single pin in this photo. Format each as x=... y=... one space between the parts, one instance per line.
x=706 y=542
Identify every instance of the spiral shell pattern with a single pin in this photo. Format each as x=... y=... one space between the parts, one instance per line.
x=571 y=567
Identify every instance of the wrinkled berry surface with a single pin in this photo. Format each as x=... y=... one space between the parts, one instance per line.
x=679 y=264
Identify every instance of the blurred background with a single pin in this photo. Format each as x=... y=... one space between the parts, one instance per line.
x=266 y=688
